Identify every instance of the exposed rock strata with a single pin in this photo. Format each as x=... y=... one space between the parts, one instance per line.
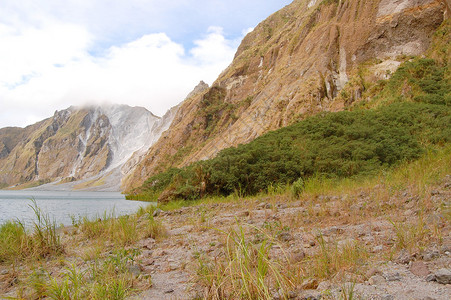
x=309 y=57
x=78 y=144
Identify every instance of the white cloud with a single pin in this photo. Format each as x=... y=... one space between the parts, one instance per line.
x=54 y=54
x=214 y=48
x=50 y=68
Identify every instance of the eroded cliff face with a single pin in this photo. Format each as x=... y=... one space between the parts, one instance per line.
x=77 y=144
x=309 y=57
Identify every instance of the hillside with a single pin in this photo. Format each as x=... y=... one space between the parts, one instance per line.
x=78 y=147
x=310 y=57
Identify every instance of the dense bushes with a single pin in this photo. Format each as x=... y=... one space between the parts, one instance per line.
x=342 y=144
x=421 y=80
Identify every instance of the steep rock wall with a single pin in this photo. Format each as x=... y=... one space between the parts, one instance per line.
x=304 y=59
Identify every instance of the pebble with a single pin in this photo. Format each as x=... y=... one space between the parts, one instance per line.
x=134 y=270
x=282 y=206
x=443 y=276
x=169 y=291
x=431 y=255
x=419 y=268
x=378 y=248
x=430 y=277
x=157 y=212
x=297 y=255
x=173 y=266
x=310 y=284
x=333 y=230
x=285 y=237
x=393 y=277
x=403 y=257
x=376 y=279
x=373 y=271
x=323 y=285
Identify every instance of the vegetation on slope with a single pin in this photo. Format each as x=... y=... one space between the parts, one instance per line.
x=341 y=145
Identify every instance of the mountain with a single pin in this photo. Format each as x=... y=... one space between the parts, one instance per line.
x=78 y=147
x=309 y=57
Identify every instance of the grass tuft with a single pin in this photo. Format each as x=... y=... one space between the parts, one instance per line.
x=18 y=244
x=246 y=270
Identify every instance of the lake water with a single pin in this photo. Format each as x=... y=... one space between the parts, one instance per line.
x=62 y=205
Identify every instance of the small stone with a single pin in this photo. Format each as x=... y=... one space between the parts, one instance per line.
x=443 y=276
x=135 y=270
x=292 y=295
x=431 y=255
x=173 y=266
x=245 y=213
x=281 y=206
x=157 y=212
x=168 y=291
x=159 y=253
x=310 y=284
x=285 y=237
x=430 y=277
x=376 y=279
x=297 y=255
x=373 y=271
x=332 y=230
x=419 y=268
x=393 y=277
x=435 y=192
x=147 y=262
x=403 y=257
x=323 y=286
x=377 y=248
x=4 y=272
x=445 y=248
x=147 y=243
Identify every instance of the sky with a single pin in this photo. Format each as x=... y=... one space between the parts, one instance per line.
x=150 y=53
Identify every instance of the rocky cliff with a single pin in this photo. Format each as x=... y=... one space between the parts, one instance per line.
x=80 y=146
x=309 y=57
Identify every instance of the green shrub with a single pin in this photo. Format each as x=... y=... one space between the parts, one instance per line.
x=420 y=80
x=332 y=145
x=298 y=187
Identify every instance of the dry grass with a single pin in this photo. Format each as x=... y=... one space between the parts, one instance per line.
x=124 y=230
x=246 y=270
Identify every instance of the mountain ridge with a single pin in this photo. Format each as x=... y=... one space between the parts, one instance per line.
x=77 y=144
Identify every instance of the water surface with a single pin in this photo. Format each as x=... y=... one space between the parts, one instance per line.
x=62 y=205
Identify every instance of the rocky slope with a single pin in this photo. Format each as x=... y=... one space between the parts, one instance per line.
x=80 y=146
x=309 y=57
